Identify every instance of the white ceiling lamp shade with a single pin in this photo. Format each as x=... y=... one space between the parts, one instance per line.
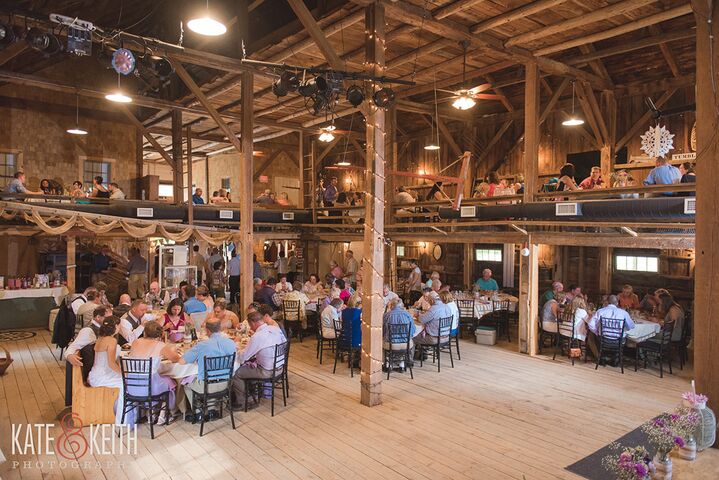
x=464 y=102
x=573 y=119
x=118 y=96
x=206 y=25
x=76 y=130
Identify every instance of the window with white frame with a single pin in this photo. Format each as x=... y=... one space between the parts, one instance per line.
x=488 y=255
x=637 y=263
x=95 y=168
x=8 y=167
x=226 y=184
x=166 y=190
x=400 y=250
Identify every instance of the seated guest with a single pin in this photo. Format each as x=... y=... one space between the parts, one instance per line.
x=574 y=291
x=157 y=298
x=181 y=291
x=193 y=304
x=566 y=178
x=622 y=179
x=17 y=185
x=493 y=182
x=257 y=360
x=352 y=319
x=116 y=192
x=50 y=187
x=328 y=316
x=313 y=287
x=175 y=318
x=86 y=336
x=594 y=180
x=216 y=345
x=612 y=310
x=651 y=301
x=151 y=346
x=265 y=198
x=132 y=324
x=84 y=311
x=663 y=174
x=267 y=313
x=396 y=314
x=688 y=174
x=283 y=285
x=388 y=295
x=581 y=314
x=628 y=299
x=430 y=319
x=336 y=270
x=203 y=294
x=77 y=300
x=297 y=296
x=434 y=282
x=486 y=282
x=105 y=371
x=345 y=293
x=550 y=310
x=424 y=303
x=672 y=312
x=197 y=197
x=227 y=318
x=123 y=306
x=101 y=288
x=266 y=293
x=448 y=299
x=98 y=189
x=557 y=287
x=77 y=191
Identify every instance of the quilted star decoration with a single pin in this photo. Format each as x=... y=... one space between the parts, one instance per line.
x=657 y=141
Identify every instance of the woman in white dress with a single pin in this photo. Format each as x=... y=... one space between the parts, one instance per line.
x=105 y=371
x=151 y=346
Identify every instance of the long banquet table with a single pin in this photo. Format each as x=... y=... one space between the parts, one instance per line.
x=30 y=307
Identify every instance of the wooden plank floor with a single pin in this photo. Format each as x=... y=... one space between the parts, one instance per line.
x=496 y=415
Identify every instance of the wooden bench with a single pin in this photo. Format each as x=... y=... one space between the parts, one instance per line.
x=94 y=405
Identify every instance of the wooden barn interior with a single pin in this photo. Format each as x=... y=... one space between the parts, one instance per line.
x=374 y=102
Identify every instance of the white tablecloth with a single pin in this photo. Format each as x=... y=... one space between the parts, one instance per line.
x=643 y=330
x=58 y=293
x=483 y=307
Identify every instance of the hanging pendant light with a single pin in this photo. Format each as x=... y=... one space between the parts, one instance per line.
x=326 y=135
x=434 y=146
x=573 y=120
x=207 y=25
x=118 y=96
x=77 y=130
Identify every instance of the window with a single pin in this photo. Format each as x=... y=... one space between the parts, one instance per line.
x=633 y=263
x=94 y=168
x=400 y=250
x=488 y=255
x=226 y=184
x=166 y=190
x=8 y=165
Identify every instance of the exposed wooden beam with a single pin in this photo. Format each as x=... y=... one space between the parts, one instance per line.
x=498 y=90
x=266 y=163
x=597 y=65
x=197 y=91
x=666 y=51
x=422 y=18
x=625 y=47
x=448 y=138
x=12 y=51
x=359 y=148
x=327 y=150
x=138 y=124
x=642 y=122
x=492 y=142
x=553 y=100
x=580 y=20
x=589 y=115
x=649 y=88
x=515 y=14
x=616 y=31
x=596 y=113
x=308 y=21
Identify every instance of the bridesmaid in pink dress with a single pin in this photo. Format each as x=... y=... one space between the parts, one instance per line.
x=174 y=319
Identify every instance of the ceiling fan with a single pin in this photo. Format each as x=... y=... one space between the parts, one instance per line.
x=465 y=98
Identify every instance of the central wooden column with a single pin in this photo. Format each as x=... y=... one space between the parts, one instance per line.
x=706 y=276
x=373 y=268
x=178 y=190
x=246 y=192
x=529 y=264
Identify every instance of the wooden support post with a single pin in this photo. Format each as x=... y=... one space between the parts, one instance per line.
x=70 y=260
x=529 y=299
x=373 y=270
x=207 y=178
x=531 y=130
x=246 y=170
x=301 y=157
x=139 y=164
x=529 y=265
x=468 y=265
x=190 y=203
x=605 y=270
x=177 y=177
x=607 y=151
x=706 y=278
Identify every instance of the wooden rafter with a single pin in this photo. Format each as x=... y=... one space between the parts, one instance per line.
x=578 y=21
x=553 y=100
x=12 y=51
x=597 y=65
x=589 y=115
x=642 y=122
x=666 y=51
x=265 y=164
x=515 y=14
x=493 y=141
x=155 y=144
x=308 y=21
x=597 y=113
x=448 y=137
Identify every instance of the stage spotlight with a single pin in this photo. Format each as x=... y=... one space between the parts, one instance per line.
x=123 y=61
x=384 y=97
x=288 y=82
x=7 y=35
x=162 y=68
x=44 y=42
x=355 y=95
x=319 y=103
x=312 y=86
